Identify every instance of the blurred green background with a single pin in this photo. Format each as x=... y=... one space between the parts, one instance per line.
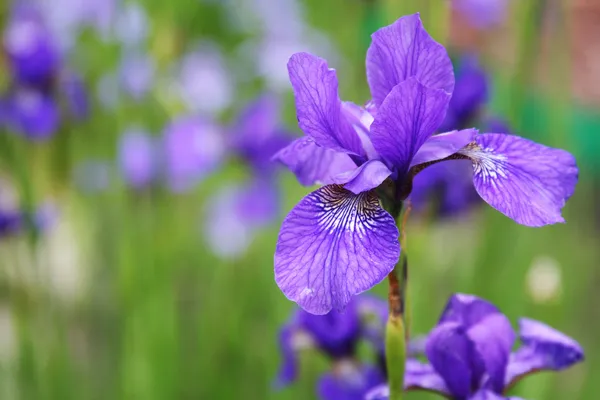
x=122 y=299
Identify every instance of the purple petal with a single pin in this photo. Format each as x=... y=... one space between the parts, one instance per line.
x=76 y=95
x=335 y=333
x=420 y=375
x=403 y=50
x=406 y=119
x=493 y=338
x=318 y=105
x=443 y=145
x=454 y=357
x=524 y=180
x=137 y=74
x=313 y=164
x=193 y=147
x=543 y=348
x=137 y=158
x=351 y=382
x=332 y=245
x=288 y=370
x=361 y=121
x=366 y=177
x=467 y=310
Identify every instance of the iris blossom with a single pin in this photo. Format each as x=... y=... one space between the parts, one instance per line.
x=339 y=240
x=470 y=358
x=337 y=336
x=237 y=211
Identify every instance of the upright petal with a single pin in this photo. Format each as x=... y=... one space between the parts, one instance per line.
x=454 y=357
x=467 y=310
x=332 y=245
x=406 y=119
x=318 y=106
x=543 y=348
x=313 y=164
x=403 y=50
x=352 y=382
x=524 y=180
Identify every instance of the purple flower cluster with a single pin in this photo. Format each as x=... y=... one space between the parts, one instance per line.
x=470 y=353
x=337 y=335
x=193 y=147
x=339 y=240
x=39 y=77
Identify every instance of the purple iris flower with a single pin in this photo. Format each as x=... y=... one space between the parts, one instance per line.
x=31 y=113
x=236 y=212
x=137 y=74
x=137 y=158
x=75 y=94
x=336 y=335
x=339 y=241
x=469 y=353
x=193 y=147
x=30 y=48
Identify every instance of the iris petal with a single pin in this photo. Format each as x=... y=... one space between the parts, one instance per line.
x=544 y=348
x=402 y=50
x=406 y=119
x=351 y=383
x=524 y=180
x=332 y=245
x=443 y=145
x=366 y=177
x=318 y=106
x=313 y=164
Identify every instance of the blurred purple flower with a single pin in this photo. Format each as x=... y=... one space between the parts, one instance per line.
x=193 y=147
x=469 y=353
x=235 y=213
x=204 y=82
x=29 y=46
x=482 y=14
x=257 y=133
x=137 y=158
x=137 y=74
x=31 y=113
x=73 y=90
x=352 y=238
x=131 y=25
x=336 y=335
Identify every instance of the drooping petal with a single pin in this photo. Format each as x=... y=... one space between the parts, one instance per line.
x=352 y=382
x=332 y=245
x=406 y=119
x=524 y=180
x=454 y=357
x=543 y=348
x=318 y=106
x=443 y=145
x=313 y=164
x=366 y=177
x=402 y=50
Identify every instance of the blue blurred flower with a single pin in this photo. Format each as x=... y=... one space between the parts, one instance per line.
x=131 y=25
x=137 y=158
x=31 y=112
x=336 y=335
x=137 y=74
x=482 y=14
x=193 y=147
x=469 y=353
x=237 y=211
